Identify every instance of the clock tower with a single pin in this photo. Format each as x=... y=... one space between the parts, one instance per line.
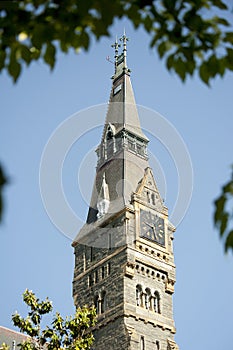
x=124 y=261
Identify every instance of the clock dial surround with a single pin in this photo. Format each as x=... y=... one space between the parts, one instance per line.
x=152 y=227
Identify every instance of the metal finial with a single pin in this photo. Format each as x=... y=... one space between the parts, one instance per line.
x=124 y=39
x=116 y=45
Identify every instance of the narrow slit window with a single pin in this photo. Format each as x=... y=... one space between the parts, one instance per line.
x=102 y=272
x=142 y=343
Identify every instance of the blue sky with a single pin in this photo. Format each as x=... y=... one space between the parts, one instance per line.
x=35 y=255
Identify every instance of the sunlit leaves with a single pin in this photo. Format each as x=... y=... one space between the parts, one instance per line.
x=4 y=346
x=224 y=213
x=71 y=333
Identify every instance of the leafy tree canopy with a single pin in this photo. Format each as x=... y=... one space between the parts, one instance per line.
x=188 y=34
x=72 y=333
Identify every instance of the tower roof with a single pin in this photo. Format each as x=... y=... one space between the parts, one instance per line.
x=122 y=109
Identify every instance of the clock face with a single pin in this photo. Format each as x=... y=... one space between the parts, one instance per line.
x=152 y=227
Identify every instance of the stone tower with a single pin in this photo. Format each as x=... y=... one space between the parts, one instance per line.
x=124 y=261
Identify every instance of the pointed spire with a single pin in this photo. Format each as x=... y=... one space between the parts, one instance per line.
x=122 y=153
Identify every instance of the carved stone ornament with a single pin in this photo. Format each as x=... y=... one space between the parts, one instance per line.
x=171 y=345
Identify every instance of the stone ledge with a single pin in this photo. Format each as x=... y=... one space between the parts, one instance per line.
x=155 y=323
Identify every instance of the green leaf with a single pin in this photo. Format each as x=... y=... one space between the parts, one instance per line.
x=2 y=59
x=148 y=24
x=180 y=68
x=228 y=60
x=229 y=241
x=228 y=188
x=196 y=23
x=49 y=56
x=3 y=182
x=153 y=42
x=230 y=54
x=170 y=62
x=84 y=40
x=190 y=64
x=222 y=66
x=25 y=54
x=223 y=224
x=228 y=37
x=219 y=208
x=14 y=68
x=221 y=5
x=213 y=65
x=222 y=21
x=170 y=5
x=162 y=48
x=204 y=73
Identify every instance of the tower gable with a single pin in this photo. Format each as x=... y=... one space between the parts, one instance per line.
x=147 y=193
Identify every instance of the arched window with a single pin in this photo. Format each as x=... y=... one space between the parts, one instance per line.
x=110 y=141
x=153 y=198
x=109 y=134
x=157 y=302
x=148 y=299
x=139 y=295
x=103 y=302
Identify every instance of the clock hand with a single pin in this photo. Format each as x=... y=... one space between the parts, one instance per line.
x=153 y=228
x=149 y=224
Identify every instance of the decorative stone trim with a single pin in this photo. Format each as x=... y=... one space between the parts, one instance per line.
x=152 y=252
x=169 y=286
x=171 y=345
x=129 y=269
x=150 y=272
